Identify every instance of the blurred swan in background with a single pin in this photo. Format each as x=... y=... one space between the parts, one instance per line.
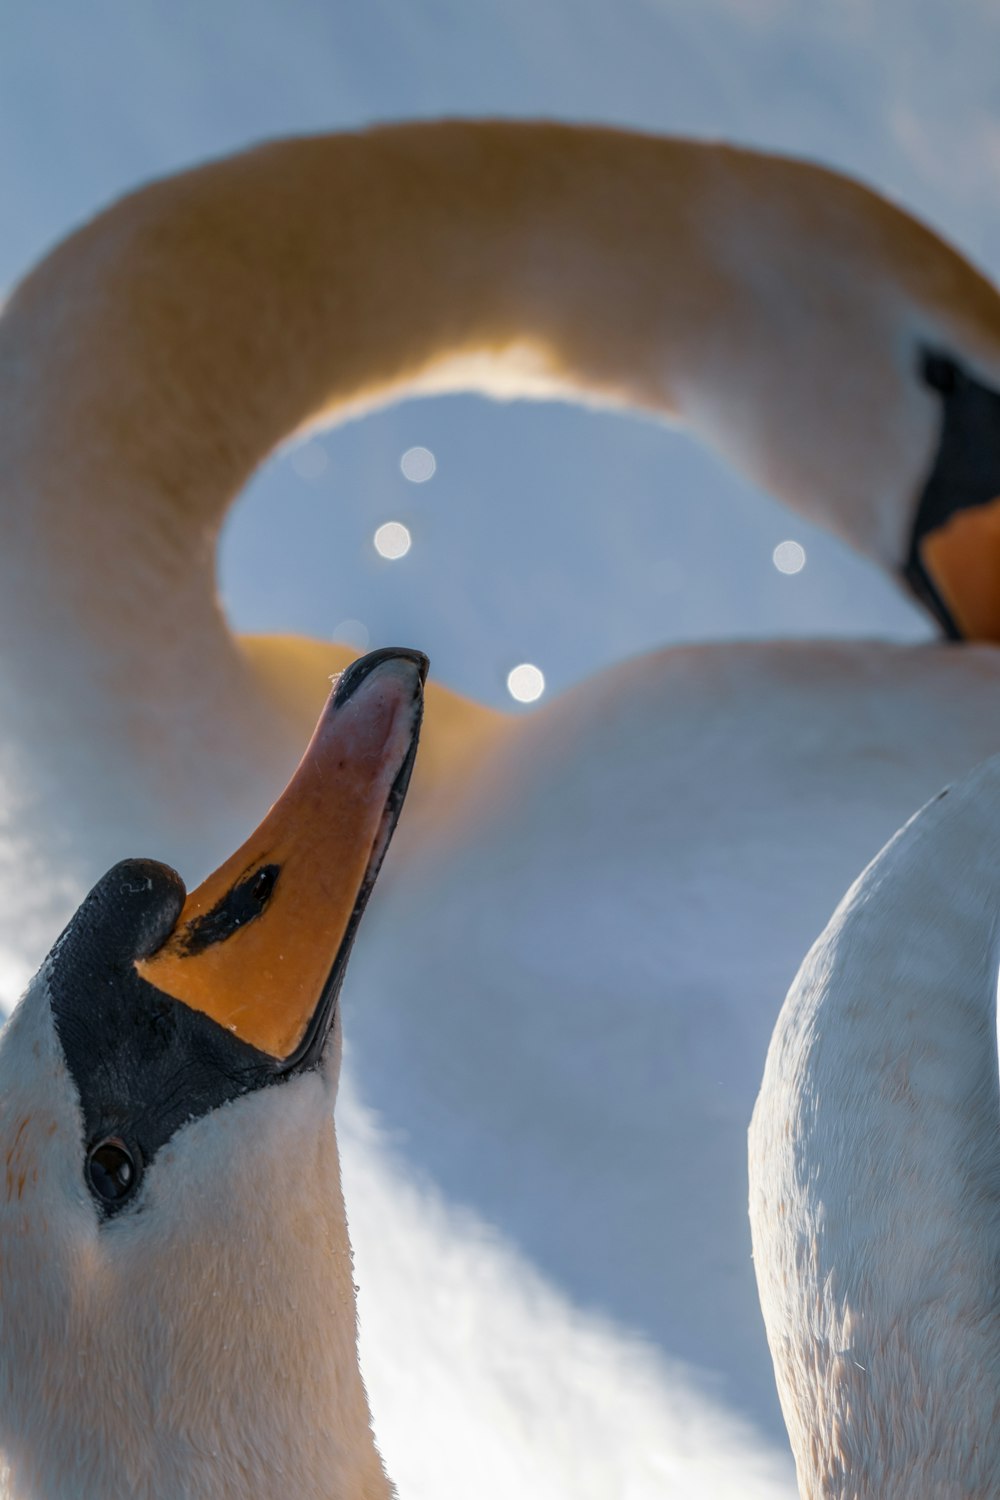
x=558 y=1017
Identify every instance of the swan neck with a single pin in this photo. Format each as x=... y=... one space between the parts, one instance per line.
x=207 y=1348
x=160 y=353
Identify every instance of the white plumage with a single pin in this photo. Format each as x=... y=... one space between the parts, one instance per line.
x=874 y=1171
x=558 y=1015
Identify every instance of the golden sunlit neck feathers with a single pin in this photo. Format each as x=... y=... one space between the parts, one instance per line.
x=193 y=326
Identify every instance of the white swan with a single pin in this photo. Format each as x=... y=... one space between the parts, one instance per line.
x=874 y=1171
x=177 y=1314
x=584 y=927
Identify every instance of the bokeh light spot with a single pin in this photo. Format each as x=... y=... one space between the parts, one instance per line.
x=392 y=540
x=310 y=461
x=352 y=633
x=789 y=557
x=418 y=465
x=525 y=682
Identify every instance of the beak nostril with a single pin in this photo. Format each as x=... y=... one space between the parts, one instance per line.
x=263 y=884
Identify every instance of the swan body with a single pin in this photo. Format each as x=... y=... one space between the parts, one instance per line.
x=578 y=895
x=874 y=1171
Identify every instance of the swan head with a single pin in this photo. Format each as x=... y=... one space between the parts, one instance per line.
x=177 y=1310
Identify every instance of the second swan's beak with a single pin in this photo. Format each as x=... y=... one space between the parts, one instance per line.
x=962 y=560
x=954 y=559
x=261 y=945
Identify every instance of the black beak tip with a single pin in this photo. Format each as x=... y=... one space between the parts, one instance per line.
x=353 y=676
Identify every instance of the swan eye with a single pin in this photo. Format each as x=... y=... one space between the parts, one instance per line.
x=112 y=1170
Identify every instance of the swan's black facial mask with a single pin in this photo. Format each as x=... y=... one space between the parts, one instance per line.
x=168 y=1005
x=953 y=566
x=143 y=1064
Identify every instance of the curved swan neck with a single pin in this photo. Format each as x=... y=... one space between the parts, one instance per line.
x=875 y=1171
x=153 y=360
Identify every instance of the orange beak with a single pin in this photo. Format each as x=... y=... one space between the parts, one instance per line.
x=262 y=944
x=962 y=560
